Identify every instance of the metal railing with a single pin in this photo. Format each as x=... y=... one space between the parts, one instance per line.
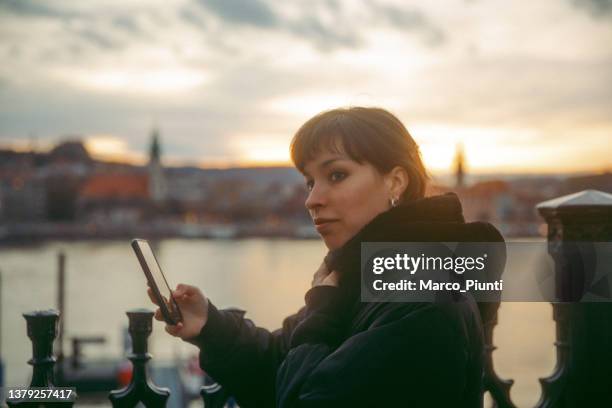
x=42 y=328
x=582 y=376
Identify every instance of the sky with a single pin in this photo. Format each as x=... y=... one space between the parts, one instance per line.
x=523 y=86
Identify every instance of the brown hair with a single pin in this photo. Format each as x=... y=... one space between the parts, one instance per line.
x=371 y=135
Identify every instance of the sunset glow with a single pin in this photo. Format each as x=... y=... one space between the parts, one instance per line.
x=111 y=148
x=228 y=87
x=161 y=81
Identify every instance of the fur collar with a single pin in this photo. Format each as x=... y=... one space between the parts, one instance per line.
x=431 y=219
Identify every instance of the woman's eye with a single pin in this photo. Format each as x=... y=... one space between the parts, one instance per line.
x=309 y=185
x=337 y=176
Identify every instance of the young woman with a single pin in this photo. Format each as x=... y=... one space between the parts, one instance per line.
x=366 y=183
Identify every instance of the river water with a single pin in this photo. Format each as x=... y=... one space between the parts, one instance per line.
x=268 y=278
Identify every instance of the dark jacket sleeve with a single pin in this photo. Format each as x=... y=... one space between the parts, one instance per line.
x=410 y=359
x=242 y=357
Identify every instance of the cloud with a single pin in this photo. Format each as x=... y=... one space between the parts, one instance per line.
x=201 y=127
x=96 y=38
x=597 y=8
x=409 y=19
x=249 y=12
x=192 y=16
x=127 y=23
x=32 y=8
x=324 y=37
x=544 y=93
x=324 y=23
x=517 y=77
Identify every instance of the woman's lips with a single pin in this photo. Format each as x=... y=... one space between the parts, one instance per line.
x=323 y=224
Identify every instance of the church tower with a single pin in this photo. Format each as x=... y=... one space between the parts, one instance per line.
x=459 y=166
x=157 y=180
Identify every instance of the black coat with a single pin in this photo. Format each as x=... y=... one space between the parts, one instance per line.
x=337 y=351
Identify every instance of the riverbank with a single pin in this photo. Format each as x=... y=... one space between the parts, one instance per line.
x=48 y=231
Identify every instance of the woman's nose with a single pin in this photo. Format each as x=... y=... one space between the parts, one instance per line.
x=316 y=198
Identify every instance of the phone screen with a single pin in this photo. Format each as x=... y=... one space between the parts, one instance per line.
x=156 y=274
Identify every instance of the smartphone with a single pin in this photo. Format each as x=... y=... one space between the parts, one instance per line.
x=157 y=281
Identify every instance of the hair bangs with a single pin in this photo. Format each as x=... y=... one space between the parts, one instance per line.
x=323 y=133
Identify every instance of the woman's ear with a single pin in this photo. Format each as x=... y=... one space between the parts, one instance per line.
x=397 y=181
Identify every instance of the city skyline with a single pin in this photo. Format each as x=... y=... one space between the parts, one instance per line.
x=525 y=88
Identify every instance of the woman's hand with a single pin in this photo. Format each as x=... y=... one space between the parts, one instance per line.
x=194 y=309
x=323 y=276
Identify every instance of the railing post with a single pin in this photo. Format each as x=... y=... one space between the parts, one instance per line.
x=141 y=388
x=583 y=373
x=213 y=395
x=1 y=362
x=61 y=301
x=42 y=330
x=497 y=387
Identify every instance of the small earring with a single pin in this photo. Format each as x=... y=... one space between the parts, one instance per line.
x=394 y=202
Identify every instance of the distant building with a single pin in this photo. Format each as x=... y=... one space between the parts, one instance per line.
x=157 y=181
x=69 y=165
x=116 y=198
x=69 y=158
x=459 y=166
x=70 y=152
x=116 y=187
x=22 y=197
x=487 y=201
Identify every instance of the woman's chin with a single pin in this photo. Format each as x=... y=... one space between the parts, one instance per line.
x=333 y=241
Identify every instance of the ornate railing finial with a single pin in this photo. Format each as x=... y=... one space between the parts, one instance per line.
x=42 y=330
x=141 y=388
x=583 y=374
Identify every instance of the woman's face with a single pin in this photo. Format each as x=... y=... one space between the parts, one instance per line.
x=344 y=196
